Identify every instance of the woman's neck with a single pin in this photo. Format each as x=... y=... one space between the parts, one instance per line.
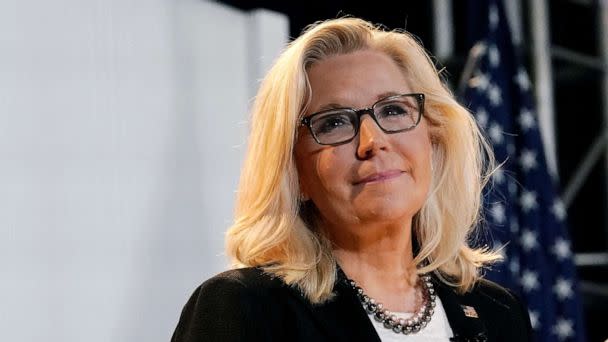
x=381 y=251
x=379 y=259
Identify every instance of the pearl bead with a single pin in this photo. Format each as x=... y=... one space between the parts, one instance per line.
x=365 y=299
x=415 y=323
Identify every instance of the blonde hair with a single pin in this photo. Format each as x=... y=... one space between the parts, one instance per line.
x=269 y=230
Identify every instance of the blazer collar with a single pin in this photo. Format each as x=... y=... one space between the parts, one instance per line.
x=344 y=318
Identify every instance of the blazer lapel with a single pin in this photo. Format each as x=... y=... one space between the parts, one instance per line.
x=462 y=315
x=343 y=318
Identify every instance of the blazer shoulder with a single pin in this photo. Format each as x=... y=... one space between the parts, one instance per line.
x=488 y=290
x=250 y=279
x=227 y=307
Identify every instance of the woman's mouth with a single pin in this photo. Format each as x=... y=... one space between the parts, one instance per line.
x=380 y=177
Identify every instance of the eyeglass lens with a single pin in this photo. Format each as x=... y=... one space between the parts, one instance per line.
x=397 y=114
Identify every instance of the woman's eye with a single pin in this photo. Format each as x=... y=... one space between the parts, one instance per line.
x=393 y=110
x=332 y=123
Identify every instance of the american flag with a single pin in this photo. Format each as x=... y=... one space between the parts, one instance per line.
x=522 y=208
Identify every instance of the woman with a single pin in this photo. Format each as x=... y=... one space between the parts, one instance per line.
x=358 y=195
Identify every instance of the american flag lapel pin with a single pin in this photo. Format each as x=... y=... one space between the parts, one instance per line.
x=469 y=311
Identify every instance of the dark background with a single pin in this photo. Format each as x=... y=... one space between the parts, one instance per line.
x=577 y=101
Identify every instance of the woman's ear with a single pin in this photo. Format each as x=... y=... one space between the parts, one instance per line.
x=432 y=160
x=303 y=196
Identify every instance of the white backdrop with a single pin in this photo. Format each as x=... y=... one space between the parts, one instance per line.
x=122 y=130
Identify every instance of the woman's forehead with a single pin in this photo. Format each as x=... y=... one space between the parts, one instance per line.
x=356 y=79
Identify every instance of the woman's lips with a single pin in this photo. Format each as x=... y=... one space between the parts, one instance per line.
x=380 y=177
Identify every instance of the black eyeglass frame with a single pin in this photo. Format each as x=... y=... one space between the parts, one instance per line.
x=307 y=121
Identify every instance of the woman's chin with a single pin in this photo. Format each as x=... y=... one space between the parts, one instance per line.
x=386 y=206
x=384 y=214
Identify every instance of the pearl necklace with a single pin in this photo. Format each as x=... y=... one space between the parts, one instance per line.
x=411 y=325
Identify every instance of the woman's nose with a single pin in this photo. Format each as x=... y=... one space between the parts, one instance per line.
x=371 y=138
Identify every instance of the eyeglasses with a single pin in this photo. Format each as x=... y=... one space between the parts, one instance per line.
x=393 y=114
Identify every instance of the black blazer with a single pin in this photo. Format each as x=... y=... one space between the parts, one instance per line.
x=249 y=305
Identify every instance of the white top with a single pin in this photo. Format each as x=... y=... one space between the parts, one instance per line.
x=437 y=330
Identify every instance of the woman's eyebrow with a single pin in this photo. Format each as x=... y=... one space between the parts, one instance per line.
x=332 y=105
x=387 y=94
x=335 y=105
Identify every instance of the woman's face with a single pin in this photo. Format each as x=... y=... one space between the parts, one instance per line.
x=377 y=177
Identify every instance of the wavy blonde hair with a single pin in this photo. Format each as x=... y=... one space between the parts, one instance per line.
x=269 y=230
